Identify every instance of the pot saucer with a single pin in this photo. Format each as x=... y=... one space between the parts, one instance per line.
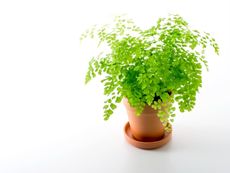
x=145 y=145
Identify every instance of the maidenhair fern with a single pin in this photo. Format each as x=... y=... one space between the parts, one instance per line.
x=157 y=66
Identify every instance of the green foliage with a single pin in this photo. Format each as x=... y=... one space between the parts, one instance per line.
x=157 y=66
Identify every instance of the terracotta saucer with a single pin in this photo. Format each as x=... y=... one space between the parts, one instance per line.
x=145 y=145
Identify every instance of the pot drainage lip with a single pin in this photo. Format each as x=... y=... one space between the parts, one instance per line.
x=145 y=145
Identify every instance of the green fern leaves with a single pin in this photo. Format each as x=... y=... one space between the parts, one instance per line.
x=157 y=66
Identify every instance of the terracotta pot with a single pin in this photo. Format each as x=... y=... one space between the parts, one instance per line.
x=147 y=126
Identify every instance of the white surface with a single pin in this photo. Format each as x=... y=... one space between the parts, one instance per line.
x=51 y=123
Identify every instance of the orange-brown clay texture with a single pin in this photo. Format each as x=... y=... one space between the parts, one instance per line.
x=145 y=145
x=147 y=126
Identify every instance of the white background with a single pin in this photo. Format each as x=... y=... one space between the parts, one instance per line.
x=50 y=122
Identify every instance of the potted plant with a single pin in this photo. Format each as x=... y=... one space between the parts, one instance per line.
x=150 y=70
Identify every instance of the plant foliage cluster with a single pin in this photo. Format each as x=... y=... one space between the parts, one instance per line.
x=157 y=66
